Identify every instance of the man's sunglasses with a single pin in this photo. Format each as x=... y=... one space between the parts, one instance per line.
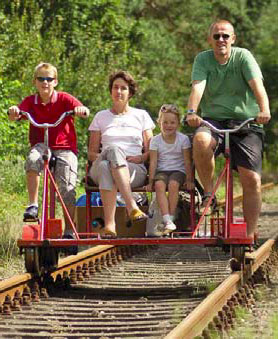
x=42 y=79
x=218 y=36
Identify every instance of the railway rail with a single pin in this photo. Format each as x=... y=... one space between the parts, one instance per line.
x=132 y=291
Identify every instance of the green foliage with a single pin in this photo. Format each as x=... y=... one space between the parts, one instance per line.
x=155 y=40
x=12 y=135
x=12 y=203
x=266 y=50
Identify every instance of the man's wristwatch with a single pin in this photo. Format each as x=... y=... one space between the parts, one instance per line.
x=191 y=111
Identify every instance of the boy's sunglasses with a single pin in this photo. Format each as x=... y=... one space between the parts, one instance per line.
x=218 y=36
x=42 y=79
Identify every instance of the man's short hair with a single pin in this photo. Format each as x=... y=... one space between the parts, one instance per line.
x=220 y=21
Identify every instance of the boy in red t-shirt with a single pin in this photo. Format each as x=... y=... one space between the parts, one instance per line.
x=46 y=106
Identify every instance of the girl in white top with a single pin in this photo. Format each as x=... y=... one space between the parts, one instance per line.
x=123 y=133
x=170 y=164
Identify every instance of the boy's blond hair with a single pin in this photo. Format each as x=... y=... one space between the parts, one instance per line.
x=46 y=66
x=168 y=108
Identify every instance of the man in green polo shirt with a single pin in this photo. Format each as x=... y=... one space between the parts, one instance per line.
x=227 y=85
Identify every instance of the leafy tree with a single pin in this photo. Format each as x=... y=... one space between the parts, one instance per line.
x=156 y=40
x=12 y=135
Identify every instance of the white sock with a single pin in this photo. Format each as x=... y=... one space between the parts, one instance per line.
x=34 y=204
x=166 y=217
x=172 y=218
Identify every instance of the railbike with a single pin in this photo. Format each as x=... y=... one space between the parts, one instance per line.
x=42 y=241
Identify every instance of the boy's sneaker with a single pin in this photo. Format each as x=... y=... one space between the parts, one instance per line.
x=31 y=213
x=169 y=227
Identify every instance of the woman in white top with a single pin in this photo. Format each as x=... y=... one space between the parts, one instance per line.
x=118 y=137
x=170 y=164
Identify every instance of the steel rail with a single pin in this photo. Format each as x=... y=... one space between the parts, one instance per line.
x=9 y=287
x=196 y=321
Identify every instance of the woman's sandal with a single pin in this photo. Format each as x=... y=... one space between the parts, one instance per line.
x=107 y=234
x=137 y=217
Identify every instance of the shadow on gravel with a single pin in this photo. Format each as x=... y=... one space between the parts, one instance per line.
x=269 y=213
x=90 y=292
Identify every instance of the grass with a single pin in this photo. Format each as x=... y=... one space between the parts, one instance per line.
x=12 y=205
x=274 y=325
x=271 y=196
x=260 y=324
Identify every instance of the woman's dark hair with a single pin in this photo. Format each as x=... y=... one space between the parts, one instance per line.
x=127 y=78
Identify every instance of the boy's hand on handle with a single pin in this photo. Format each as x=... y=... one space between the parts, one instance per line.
x=82 y=111
x=14 y=113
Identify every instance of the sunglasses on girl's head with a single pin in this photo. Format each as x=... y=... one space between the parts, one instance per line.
x=42 y=79
x=168 y=108
x=218 y=36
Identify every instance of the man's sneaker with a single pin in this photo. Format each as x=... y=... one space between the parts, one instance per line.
x=31 y=213
x=169 y=227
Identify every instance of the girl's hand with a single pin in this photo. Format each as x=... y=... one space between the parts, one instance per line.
x=136 y=159
x=149 y=187
x=190 y=185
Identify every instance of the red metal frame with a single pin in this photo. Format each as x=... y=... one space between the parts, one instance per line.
x=51 y=198
x=222 y=236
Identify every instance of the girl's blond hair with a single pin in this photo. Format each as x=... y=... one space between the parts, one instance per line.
x=168 y=108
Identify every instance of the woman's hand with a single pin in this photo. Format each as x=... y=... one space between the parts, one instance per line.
x=136 y=159
x=92 y=156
